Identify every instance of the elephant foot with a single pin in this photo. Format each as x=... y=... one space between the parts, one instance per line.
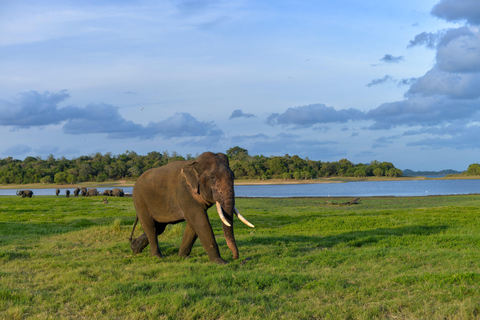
x=139 y=243
x=158 y=255
x=219 y=261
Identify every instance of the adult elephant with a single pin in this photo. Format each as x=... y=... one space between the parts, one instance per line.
x=25 y=193
x=76 y=192
x=57 y=192
x=107 y=192
x=83 y=191
x=116 y=192
x=92 y=192
x=183 y=191
x=67 y=193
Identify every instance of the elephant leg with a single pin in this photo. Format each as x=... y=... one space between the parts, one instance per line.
x=189 y=237
x=139 y=243
x=203 y=229
x=149 y=227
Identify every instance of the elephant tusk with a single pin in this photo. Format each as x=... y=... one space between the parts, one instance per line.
x=222 y=217
x=242 y=218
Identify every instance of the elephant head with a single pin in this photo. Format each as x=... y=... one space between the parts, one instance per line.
x=211 y=181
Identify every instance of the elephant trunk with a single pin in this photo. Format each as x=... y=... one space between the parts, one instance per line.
x=227 y=208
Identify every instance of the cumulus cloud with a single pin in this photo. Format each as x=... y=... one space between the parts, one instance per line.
x=421 y=111
x=182 y=125
x=239 y=114
x=458 y=10
x=100 y=118
x=388 y=58
x=444 y=103
x=426 y=39
x=452 y=136
x=459 y=50
x=390 y=79
x=407 y=82
x=306 y=116
x=30 y=109
x=383 y=80
x=452 y=85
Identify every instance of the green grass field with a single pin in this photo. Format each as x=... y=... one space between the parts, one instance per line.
x=384 y=258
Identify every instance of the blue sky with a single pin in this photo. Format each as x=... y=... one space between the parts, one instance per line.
x=393 y=81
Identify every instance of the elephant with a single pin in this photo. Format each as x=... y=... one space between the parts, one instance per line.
x=183 y=191
x=57 y=192
x=83 y=191
x=107 y=192
x=116 y=192
x=25 y=193
x=76 y=192
x=67 y=193
x=92 y=192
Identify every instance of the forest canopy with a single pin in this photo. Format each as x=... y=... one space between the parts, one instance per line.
x=129 y=165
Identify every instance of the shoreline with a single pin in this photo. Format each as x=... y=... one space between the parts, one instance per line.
x=130 y=183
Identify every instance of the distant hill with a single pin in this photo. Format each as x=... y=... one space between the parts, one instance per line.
x=409 y=173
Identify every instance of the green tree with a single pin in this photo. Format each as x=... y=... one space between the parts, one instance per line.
x=85 y=172
x=46 y=179
x=360 y=173
x=297 y=175
x=71 y=179
x=378 y=172
x=473 y=169
x=101 y=177
x=287 y=175
x=60 y=178
x=237 y=153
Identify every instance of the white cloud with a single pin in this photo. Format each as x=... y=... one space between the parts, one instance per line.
x=458 y=10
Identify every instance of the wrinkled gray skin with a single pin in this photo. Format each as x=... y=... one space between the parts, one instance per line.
x=107 y=192
x=92 y=192
x=183 y=191
x=25 y=193
x=76 y=192
x=116 y=192
x=67 y=193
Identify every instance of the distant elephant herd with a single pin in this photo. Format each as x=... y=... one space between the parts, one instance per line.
x=84 y=192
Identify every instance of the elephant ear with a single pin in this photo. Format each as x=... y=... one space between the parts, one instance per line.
x=191 y=176
x=223 y=159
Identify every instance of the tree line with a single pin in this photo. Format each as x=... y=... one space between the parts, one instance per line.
x=286 y=167
x=129 y=165
x=97 y=167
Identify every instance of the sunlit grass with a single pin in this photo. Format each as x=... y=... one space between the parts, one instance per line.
x=407 y=258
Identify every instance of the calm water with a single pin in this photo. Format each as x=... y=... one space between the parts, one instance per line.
x=349 y=189
x=363 y=189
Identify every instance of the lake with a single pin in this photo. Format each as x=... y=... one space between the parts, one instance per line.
x=401 y=188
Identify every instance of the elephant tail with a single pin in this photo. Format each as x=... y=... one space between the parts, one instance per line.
x=134 y=225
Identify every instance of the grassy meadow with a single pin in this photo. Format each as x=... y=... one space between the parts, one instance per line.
x=384 y=258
